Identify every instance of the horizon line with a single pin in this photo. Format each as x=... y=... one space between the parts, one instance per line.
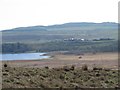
x=55 y=24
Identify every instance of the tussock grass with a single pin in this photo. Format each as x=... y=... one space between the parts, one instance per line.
x=67 y=76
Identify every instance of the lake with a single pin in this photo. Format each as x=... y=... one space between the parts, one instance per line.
x=23 y=56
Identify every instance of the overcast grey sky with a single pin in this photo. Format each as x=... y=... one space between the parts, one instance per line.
x=21 y=13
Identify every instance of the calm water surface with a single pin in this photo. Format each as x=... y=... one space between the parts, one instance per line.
x=23 y=56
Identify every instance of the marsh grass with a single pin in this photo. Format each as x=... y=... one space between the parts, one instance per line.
x=67 y=76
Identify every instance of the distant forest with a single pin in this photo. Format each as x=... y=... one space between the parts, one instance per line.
x=71 y=46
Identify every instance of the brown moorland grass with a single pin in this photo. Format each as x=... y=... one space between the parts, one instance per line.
x=65 y=77
x=108 y=60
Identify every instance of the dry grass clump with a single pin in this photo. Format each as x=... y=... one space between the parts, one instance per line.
x=85 y=67
x=73 y=67
x=46 y=67
x=66 y=68
x=5 y=65
x=69 y=68
x=95 y=68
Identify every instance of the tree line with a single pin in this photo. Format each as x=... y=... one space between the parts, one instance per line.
x=88 y=46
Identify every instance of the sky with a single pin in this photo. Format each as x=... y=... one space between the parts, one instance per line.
x=22 y=13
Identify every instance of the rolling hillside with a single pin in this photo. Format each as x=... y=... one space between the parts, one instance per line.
x=40 y=34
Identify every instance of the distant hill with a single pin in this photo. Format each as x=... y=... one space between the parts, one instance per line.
x=66 y=25
x=62 y=31
x=26 y=29
x=83 y=24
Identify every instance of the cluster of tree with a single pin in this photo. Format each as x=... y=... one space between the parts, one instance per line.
x=101 y=39
x=15 y=48
x=87 y=46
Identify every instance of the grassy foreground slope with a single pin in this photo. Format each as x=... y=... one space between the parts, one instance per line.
x=66 y=77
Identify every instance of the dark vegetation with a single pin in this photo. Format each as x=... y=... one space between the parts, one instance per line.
x=74 y=46
x=65 y=77
x=70 y=46
x=15 y=48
